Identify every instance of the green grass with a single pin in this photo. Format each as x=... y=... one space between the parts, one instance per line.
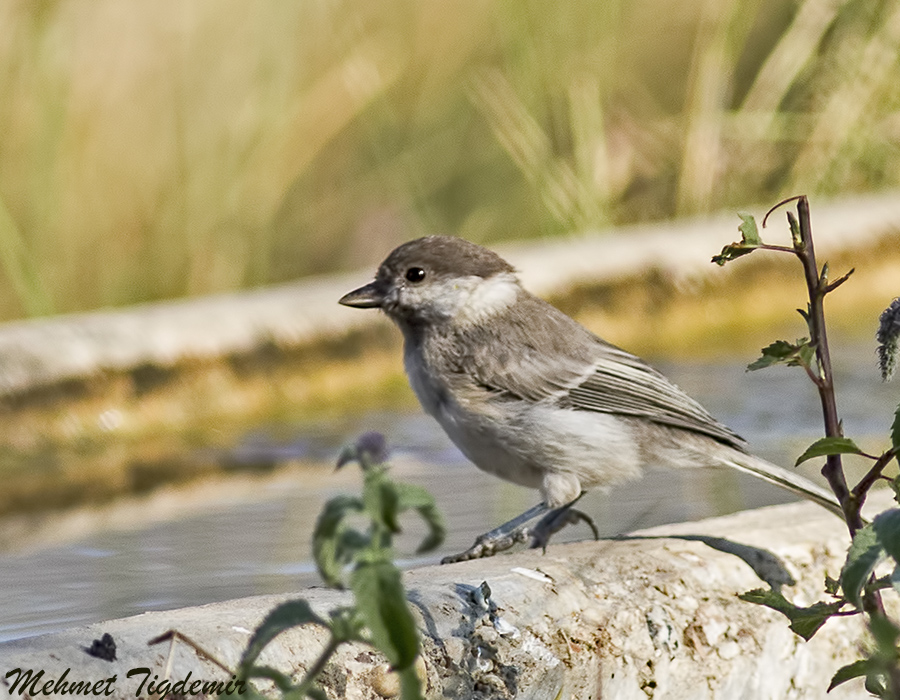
x=156 y=150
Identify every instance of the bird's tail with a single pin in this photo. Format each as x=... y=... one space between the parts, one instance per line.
x=785 y=479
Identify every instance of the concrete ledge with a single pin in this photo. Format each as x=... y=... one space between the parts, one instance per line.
x=652 y=615
x=45 y=352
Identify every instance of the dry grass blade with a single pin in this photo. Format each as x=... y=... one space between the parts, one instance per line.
x=864 y=74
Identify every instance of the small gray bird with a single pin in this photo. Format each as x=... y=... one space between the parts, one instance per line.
x=531 y=396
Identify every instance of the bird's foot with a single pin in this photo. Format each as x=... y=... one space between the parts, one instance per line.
x=518 y=531
x=489 y=544
x=555 y=521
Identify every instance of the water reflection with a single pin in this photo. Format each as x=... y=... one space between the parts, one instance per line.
x=249 y=534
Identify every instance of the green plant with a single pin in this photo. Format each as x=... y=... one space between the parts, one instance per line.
x=361 y=560
x=857 y=590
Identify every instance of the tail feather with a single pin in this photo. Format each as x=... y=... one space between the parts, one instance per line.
x=780 y=476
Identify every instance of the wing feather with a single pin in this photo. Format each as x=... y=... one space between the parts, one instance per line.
x=577 y=370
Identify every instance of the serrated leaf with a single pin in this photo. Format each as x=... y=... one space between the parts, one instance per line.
x=887 y=528
x=382 y=605
x=828 y=446
x=749 y=230
x=773 y=354
x=804 y=622
x=783 y=352
x=895 y=487
x=864 y=554
x=415 y=497
x=329 y=545
x=749 y=242
x=731 y=252
x=832 y=585
x=855 y=670
x=293 y=613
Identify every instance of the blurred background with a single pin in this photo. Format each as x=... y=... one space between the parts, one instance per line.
x=155 y=150
x=152 y=150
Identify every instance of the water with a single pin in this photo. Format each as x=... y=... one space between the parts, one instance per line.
x=249 y=534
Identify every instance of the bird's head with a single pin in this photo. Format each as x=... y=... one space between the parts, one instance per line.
x=439 y=279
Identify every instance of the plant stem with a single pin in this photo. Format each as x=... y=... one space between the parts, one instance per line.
x=833 y=470
x=874 y=474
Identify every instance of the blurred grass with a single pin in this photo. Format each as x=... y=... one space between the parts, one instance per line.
x=152 y=150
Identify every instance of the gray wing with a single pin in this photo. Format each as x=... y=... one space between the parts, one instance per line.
x=543 y=355
x=624 y=384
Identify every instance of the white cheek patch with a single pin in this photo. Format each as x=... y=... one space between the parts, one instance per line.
x=486 y=297
x=467 y=300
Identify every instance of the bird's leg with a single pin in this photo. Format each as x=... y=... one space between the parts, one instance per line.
x=556 y=520
x=500 y=538
x=517 y=530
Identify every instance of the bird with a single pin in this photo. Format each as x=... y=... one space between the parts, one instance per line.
x=530 y=395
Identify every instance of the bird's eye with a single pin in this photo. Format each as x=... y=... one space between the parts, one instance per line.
x=415 y=274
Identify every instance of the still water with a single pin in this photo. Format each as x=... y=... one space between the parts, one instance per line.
x=249 y=535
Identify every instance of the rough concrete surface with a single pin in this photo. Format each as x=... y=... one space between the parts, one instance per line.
x=653 y=615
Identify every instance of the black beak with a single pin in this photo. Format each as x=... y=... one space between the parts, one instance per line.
x=369 y=297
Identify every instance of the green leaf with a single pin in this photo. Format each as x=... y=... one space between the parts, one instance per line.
x=411 y=496
x=282 y=681
x=783 y=352
x=293 y=613
x=876 y=684
x=749 y=242
x=805 y=622
x=885 y=633
x=864 y=554
x=347 y=625
x=331 y=548
x=410 y=687
x=381 y=500
x=749 y=230
x=382 y=604
x=855 y=670
x=731 y=252
x=829 y=446
x=895 y=487
x=806 y=354
x=796 y=238
x=887 y=528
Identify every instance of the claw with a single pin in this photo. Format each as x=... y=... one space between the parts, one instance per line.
x=555 y=521
x=517 y=531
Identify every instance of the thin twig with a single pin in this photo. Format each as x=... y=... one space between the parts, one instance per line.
x=861 y=490
x=833 y=471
